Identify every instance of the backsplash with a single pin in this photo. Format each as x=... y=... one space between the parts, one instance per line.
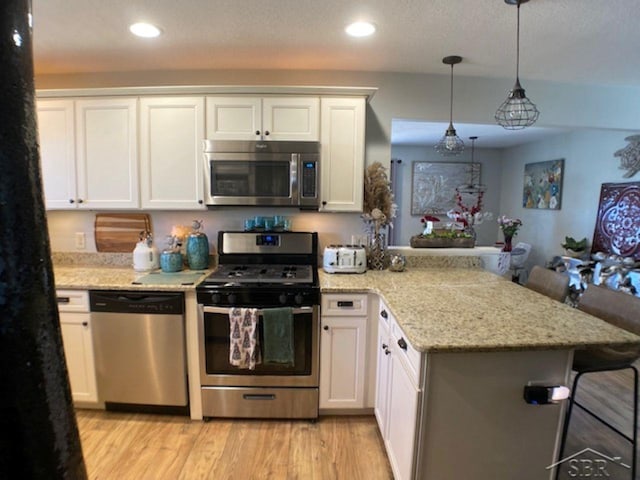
x=332 y=228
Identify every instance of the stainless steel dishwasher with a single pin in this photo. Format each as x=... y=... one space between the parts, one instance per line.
x=139 y=346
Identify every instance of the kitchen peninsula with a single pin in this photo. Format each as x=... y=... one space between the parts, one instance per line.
x=455 y=349
x=462 y=343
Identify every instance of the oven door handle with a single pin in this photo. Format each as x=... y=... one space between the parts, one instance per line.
x=207 y=309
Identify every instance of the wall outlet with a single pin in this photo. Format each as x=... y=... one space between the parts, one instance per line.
x=81 y=241
x=358 y=239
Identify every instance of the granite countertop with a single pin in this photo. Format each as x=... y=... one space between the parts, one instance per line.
x=114 y=271
x=103 y=277
x=449 y=308
x=457 y=309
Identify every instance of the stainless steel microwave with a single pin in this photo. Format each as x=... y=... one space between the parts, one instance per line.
x=273 y=173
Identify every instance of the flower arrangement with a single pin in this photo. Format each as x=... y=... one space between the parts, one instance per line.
x=378 y=207
x=509 y=226
x=469 y=216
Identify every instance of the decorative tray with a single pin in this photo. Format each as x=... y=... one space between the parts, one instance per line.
x=441 y=242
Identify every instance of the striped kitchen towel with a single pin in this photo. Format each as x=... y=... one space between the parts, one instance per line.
x=244 y=348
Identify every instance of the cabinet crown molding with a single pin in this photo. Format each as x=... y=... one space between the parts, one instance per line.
x=280 y=90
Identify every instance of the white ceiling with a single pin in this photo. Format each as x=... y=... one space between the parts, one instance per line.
x=411 y=132
x=574 y=41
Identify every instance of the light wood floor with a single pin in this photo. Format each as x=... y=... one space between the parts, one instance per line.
x=140 y=446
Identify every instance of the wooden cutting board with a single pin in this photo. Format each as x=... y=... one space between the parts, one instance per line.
x=119 y=232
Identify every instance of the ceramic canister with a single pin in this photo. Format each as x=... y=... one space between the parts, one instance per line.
x=171 y=261
x=197 y=251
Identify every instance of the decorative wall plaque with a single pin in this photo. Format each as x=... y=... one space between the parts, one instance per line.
x=618 y=224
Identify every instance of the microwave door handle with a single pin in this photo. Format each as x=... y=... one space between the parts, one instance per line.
x=293 y=172
x=225 y=310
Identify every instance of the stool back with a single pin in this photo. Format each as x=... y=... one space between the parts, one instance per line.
x=617 y=308
x=548 y=282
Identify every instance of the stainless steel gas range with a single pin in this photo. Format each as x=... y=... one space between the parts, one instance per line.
x=258 y=327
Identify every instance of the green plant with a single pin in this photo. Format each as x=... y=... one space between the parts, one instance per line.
x=446 y=234
x=571 y=243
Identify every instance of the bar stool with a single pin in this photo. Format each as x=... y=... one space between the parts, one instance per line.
x=548 y=282
x=623 y=311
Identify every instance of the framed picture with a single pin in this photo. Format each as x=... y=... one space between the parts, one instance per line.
x=543 y=185
x=433 y=185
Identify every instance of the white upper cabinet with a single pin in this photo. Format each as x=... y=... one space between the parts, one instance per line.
x=258 y=118
x=106 y=149
x=342 y=154
x=171 y=165
x=57 y=152
x=291 y=118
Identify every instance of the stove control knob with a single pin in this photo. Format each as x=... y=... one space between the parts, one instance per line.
x=282 y=298
x=231 y=298
x=215 y=298
x=298 y=299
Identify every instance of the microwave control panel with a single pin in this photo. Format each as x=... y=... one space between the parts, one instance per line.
x=309 y=173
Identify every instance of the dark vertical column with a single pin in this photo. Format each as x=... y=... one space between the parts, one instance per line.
x=38 y=432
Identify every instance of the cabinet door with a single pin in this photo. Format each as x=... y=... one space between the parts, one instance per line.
x=291 y=118
x=171 y=136
x=106 y=147
x=342 y=356
x=57 y=153
x=382 y=377
x=402 y=417
x=78 y=350
x=234 y=118
x=342 y=147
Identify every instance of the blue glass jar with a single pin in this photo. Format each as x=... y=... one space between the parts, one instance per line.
x=171 y=261
x=197 y=248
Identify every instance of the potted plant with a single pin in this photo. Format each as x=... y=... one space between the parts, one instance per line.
x=574 y=248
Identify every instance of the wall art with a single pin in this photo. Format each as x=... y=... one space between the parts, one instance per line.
x=543 y=185
x=618 y=223
x=433 y=185
x=630 y=156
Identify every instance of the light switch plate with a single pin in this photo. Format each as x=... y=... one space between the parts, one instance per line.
x=81 y=241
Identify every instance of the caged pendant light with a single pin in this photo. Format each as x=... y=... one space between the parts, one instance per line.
x=474 y=186
x=450 y=144
x=517 y=111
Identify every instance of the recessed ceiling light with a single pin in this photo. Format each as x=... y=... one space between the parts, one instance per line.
x=360 y=29
x=145 y=30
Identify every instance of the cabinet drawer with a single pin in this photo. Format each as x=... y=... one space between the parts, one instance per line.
x=72 y=300
x=411 y=356
x=344 y=305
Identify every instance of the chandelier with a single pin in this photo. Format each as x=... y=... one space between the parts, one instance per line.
x=517 y=111
x=450 y=144
x=473 y=186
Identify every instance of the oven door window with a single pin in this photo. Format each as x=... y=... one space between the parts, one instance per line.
x=250 y=178
x=216 y=347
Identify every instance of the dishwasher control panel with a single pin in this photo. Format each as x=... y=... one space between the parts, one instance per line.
x=136 y=302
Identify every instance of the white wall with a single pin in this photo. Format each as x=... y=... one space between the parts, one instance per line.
x=589 y=162
x=408 y=225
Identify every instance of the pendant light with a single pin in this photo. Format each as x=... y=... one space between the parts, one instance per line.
x=473 y=187
x=450 y=144
x=517 y=111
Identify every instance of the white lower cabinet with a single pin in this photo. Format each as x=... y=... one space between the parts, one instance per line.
x=343 y=346
x=75 y=324
x=397 y=397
